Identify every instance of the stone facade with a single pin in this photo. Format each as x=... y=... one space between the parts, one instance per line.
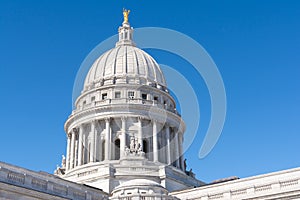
x=124 y=141
x=20 y=183
x=278 y=185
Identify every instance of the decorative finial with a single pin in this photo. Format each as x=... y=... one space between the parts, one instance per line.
x=126 y=14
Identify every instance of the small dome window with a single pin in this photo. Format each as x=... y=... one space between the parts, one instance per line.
x=130 y=94
x=144 y=96
x=104 y=96
x=117 y=95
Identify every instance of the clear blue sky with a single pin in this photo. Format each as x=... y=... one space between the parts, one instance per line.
x=254 y=43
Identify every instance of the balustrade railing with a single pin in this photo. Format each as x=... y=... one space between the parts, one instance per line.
x=106 y=102
x=47 y=183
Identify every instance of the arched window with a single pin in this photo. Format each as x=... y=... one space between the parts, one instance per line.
x=102 y=151
x=117 y=149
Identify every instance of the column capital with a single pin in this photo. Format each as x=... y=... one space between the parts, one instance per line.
x=94 y=121
x=69 y=135
x=140 y=118
x=81 y=126
x=123 y=118
x=107 y=119
x=75 y=130
x=154 y=121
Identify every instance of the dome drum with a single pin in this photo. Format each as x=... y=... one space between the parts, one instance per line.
x=125 y=94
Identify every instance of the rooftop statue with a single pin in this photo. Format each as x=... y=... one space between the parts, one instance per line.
x=126 y=14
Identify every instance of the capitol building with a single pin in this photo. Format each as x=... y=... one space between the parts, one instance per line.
x=125 y=141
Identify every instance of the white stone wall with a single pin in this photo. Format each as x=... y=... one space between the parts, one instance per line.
x=20 y=183
x=277 y=185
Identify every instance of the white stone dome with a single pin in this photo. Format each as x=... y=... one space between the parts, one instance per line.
x=125 y=64
x=125 y=61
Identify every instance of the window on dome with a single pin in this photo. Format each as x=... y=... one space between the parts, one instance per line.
x=117 y=95
x=84 y=102
x=93 y=98
x=104 y=96
x=155 y=98
x=144 y=96
x=130 y=95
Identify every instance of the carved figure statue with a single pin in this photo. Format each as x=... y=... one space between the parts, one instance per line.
x=63 y=161
x=137 y=146
x=132 y=144
x=184 y=164
x=127 y=151
x=135 y=149
x=126 y=14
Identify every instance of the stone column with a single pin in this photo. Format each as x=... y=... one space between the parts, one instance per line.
x=84 y=149
x=68 y=151
x=176 y=149
x=155 y=146
x=107 y=139
x=168 y=145
x=180 y=141
x=140 y=132
x=96 y=146
x=80 y=146
x=72 y=149
x=92 y=150
x=123 y=137
x=76 y=150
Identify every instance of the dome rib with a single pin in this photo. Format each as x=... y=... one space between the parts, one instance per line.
x=137 y=63
x=115 y=61
x=145 y=66
x=125 y=60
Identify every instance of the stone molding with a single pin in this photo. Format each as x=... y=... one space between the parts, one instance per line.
x=277 y=185
x=42 y=182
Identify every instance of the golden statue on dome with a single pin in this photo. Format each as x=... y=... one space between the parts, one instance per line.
x=126 y=14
